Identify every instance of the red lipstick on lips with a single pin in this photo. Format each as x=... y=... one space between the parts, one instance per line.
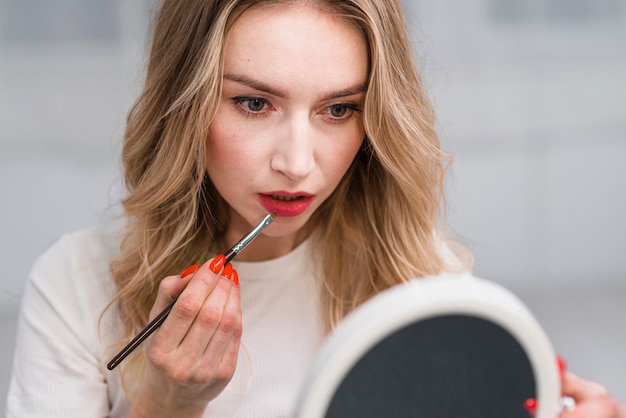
x=286 y=204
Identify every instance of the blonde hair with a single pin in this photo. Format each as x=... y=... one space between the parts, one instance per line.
x=380 y=227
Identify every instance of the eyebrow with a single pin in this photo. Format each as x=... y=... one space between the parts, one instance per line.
x=257 y=85
x=254 y=84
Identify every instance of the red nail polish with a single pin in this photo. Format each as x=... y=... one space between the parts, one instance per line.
x=228 y=271
x=531 y=405
x=189 y=270
x=217 y=263
x=235 y=277
x=561 y=363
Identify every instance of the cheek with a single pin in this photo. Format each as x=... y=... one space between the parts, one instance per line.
x=231 y=155
x=338 y=161
x=221 y=145
x=224 y=140
x=220 y=136
x=345 y=156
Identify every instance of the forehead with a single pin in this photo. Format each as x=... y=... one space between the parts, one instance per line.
x=296 y=40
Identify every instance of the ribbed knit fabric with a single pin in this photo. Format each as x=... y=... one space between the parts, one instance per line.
x=60 y=357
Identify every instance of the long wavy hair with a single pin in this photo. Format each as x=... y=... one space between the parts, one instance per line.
x=380 y=227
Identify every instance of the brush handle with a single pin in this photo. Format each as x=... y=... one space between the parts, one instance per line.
x=156 y=322
x=145 y=333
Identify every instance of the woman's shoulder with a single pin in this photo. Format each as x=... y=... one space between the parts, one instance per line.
x=96 y=241
x=62 y=333
x=79 y=261
x=85 y=245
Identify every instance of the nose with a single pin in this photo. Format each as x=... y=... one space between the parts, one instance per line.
x=294 y=151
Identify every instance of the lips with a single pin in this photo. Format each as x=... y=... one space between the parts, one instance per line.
x=285 y=198
x=286 y=204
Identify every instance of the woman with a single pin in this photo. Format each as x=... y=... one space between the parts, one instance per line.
x=310 y=109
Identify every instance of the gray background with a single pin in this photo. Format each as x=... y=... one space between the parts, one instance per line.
x=531 y=98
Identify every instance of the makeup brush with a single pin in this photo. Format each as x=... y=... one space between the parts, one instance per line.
x=160 y=318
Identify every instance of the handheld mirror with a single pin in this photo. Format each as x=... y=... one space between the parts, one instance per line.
x=440 y=347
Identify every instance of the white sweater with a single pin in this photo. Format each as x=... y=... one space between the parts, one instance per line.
x=61 y=350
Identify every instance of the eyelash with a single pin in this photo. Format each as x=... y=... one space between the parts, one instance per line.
x=351 y=108
x=240 y=106
x=352 y=111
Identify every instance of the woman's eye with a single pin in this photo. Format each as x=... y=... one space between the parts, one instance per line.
x=341 y=112
x=251 y=104
x=255 y=104
x=338 y=110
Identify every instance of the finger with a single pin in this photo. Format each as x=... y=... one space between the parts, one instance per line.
x=226 y=367
x=170 y=288
x=228 y=331
x=531 y=406
x=580 y=389
x=223 y=349
x=216 y=316
x=189 y=303
x=597 y=407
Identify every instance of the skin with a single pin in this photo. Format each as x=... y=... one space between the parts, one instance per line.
x=592 y=399
x=285 y=124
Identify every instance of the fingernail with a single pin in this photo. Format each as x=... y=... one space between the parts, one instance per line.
x=235 y=277
x=217 y=263
x=189 y=270
x=531 y=405
x=561 y=363
x=228 y=271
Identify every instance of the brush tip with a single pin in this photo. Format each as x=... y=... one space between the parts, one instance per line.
x=273 y=215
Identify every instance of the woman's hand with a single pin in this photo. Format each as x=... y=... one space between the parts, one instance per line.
x=592 y=400
x=192 y=356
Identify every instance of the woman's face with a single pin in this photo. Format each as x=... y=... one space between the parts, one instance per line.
x=289 y=121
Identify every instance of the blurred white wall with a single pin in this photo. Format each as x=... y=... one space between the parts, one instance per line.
x=69 y=71
x=531 y=96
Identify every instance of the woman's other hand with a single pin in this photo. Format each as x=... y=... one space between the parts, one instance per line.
x=592 y=400
x=192 y=356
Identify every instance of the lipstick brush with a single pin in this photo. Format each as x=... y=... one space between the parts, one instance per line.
x=160 y=318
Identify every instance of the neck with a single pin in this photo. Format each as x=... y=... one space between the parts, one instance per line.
x=265 y=247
